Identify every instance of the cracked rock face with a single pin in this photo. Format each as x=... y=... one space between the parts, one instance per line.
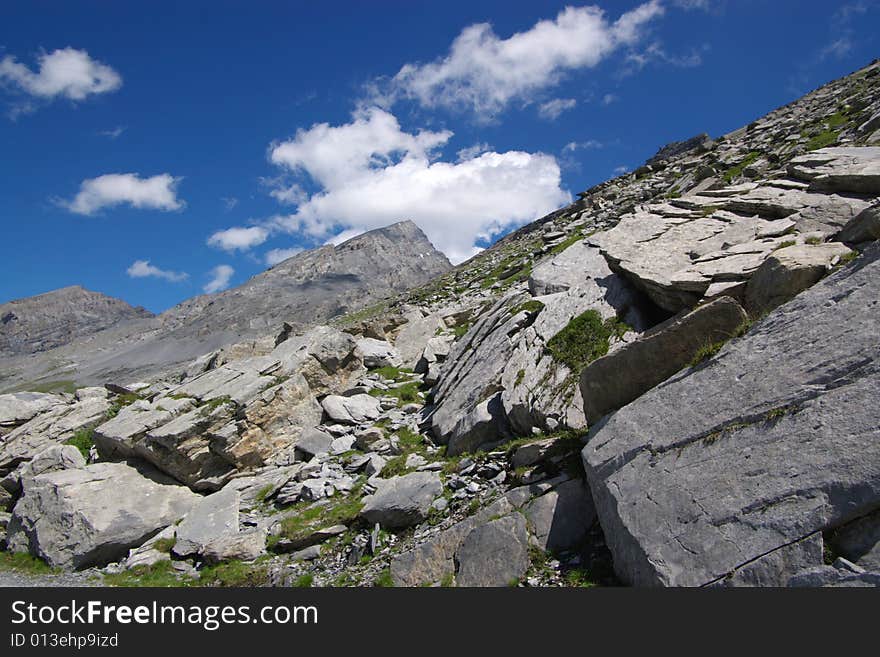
x=772 y=442
x=691 y=248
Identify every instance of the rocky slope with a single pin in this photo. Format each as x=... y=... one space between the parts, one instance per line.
x=672 y=381
x=50 y=320
x=319 y=284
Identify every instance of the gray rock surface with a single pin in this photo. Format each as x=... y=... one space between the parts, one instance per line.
x=783 y=421
x=49 y=320
x=378 y=353
x=352 y=410
x=789 y=271
x=561 y=518
x=402 y=501
x=613 y=381
x=93 y=515
x=864 y=227
x=494 y=554
x=214 y=518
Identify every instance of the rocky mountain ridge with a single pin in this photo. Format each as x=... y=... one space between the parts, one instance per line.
x=49 y=320
x=318 y=284
x=670 y=382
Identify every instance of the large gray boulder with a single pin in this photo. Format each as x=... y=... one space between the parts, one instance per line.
x=403 y=501
x=623 y=375
x=494 y=554
x=87 y=516
x=352 y=410
x=561 y=518
x=56 y=424
x=789 y=271
x=500 y=379
x=213 y=519
x=774 y=441
x=844 y=169
x=863 y=227
x=19 y=407
x=378 y=353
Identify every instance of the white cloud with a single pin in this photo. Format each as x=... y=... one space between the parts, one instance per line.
x=622 y=169
x=66 y=73
x=608 y=99
x=589 y=144
x=553 y=108
x=291 y=194
x=483 y=73
x=275 y=256
x=471 y=152
x=114 y=133
x=220 y=277
x=229 y=202
x=372 y=173
x=238 y=238
x=157 y=193
x=143 y=269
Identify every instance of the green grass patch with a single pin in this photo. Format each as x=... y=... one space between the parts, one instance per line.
x=460 y=330
x=235 y=573
x=83 y=440
x=384 y=579
x=210 y=406
x=164 y=545
x=822 y=140
x=265 y=492
x=585 y=338
x=580 y=577
x=706 y=352
x=406 y=393
x=25 y=563
x=304 y=581
x=785 y=244
x=299 y=524
x=532 y=306
x=813 y=240
x=570 y=240
x=160 y=575
x=392 y=373
x=737 y=170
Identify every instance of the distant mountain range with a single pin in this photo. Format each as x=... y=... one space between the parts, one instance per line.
x=73 y=334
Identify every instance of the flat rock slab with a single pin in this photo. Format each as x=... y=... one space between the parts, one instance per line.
x=403 y=501
x=93 y=515
x=610 y=382
x=214 y=518
x=494 y=554
x=775 y=439
x=352 y=410
x=788 y=272
x=19 y=407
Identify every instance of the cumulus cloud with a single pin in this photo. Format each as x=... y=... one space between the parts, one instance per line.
x=371 y=173
x=483 y=73
x=275 y=256
x=553 y=108
x=143 y=269
x=220 y=277
x=65 y=73
x=155 y=193
x=608 y=99
x=238 y=238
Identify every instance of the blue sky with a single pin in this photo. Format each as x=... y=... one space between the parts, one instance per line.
x=155 y=151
